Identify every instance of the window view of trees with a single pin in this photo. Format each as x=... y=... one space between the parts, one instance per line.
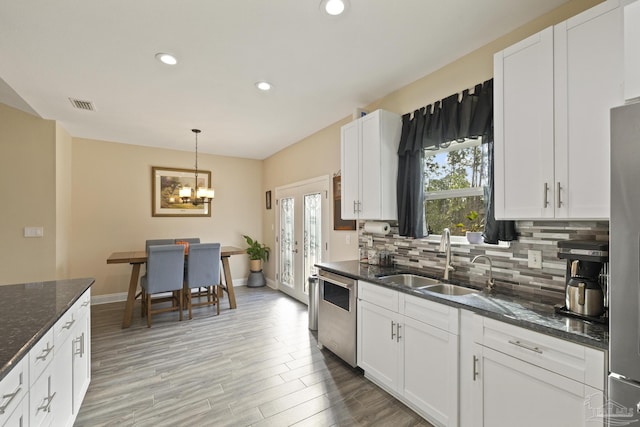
x=453 y=183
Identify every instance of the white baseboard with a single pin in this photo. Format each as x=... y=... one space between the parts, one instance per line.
x=122 y=296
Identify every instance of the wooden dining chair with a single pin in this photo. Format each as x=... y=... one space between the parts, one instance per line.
x=203 y=271
x=165 y=273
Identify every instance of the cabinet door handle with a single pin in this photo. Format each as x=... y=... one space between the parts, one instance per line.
x=393 y=333
x=475 y=367
x=526 y=347
x=45 y=353
x=559 y=196
x=398 y=326
x=69 y=324
x=354 y=207
x=9 y=396
x=80 y=341
x=545 y=200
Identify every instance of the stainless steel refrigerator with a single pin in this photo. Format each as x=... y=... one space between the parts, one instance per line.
x=623 y=405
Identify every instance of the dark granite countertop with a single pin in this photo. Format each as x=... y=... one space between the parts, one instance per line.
x=534 y=314
x=29 y=310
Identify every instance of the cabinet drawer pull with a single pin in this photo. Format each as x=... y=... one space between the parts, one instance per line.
x=545 y=200
x=475 y=367
x=69 y=324
x=9 y=396
x=393 y=333
x=519 y=344
x=45 y=353
x=398 y=332
x=559 y=196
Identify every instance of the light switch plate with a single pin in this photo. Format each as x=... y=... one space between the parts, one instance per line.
x=535 y=259
x=33 y=231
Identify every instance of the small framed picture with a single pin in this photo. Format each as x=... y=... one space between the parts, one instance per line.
x=268 y=199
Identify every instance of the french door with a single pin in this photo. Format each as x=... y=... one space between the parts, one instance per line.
x=302 y=234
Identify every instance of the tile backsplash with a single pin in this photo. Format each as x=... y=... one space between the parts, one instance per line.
x=510 y=265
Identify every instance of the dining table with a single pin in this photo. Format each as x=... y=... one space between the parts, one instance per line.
x=137 y=258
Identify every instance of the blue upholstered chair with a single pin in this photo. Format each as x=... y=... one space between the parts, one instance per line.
x=165 y=273
x=203 y=271
x=156 y=242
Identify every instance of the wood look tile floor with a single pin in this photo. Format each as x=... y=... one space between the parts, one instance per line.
x=258 y=365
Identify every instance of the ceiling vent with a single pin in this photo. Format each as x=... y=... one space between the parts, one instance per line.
x=82 y=105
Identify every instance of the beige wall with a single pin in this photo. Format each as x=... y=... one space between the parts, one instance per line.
x=111 y=207
x=63 y=202
x=27 y=173
x=320 y=153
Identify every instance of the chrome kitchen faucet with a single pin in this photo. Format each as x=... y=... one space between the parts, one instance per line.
x=490 y=282
x=445 y=246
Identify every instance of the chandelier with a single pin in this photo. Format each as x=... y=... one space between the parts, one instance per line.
x=198 y=195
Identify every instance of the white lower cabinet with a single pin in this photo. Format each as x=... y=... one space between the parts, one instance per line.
x=514 y=376
x=406 y=346
x=47 y=386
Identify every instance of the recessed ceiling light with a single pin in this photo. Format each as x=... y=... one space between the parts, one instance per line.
x=166 y=58
x=263 y=85
x=334 y=7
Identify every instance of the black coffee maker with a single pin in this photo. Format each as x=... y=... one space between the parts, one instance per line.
x=586 y=281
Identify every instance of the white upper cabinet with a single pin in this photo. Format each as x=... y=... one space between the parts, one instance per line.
x=369 y=165
x=632 y=50
x=523 y=125
x=553 y=93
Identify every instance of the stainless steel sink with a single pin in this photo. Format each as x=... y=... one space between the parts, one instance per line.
x=449 y=289
x=409 y=280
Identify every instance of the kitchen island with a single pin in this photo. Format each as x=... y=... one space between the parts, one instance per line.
x=44 y=351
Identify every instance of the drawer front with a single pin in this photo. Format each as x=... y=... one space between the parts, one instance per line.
x=66 y=323
x=580 y=363
x=20 y=416
x=438 y=315
x=41 y=399
x=13 y=388
x=378 y=295
x=40 y=356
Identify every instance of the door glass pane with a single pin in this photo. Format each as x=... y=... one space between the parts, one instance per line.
x=312 y=235
x=287 y=239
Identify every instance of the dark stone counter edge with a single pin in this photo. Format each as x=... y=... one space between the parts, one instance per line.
x=4 y=370
x=459 y=302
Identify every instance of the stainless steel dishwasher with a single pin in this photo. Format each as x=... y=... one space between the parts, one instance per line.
x=337 y=315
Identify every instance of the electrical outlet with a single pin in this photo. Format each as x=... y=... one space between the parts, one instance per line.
x=535 y=259
x=369 y=241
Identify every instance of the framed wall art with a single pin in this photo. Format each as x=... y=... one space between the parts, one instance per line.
x=338 y=222
x=268 y=199
x=165 y=187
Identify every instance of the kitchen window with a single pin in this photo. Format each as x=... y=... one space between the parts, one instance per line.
x=454 y=180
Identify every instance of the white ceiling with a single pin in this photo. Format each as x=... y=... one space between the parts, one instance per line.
x=322 y=68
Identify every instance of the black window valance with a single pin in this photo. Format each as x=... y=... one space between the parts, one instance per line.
x=455 y=118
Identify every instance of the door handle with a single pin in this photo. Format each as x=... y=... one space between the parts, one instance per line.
x=559 y=196
x=398 y=326
x=393 y=334
x=545 y=200
x=475 y=367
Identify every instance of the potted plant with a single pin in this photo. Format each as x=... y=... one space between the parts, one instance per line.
x=473 y=229
x=257 y=253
